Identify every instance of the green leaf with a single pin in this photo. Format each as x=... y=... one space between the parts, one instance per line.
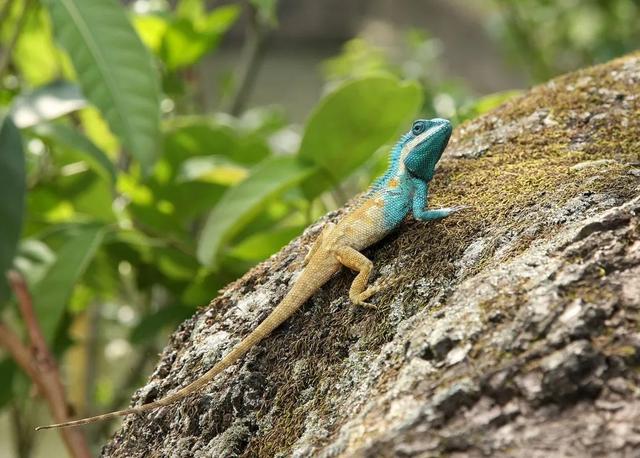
x=35 y=55
x=151 y=29
x=72 y=139
x=243 y=202
x=267 y=11
x=12 y=196
x=8 y=370
x=150 y=325
x=114 y=69
x=486 y=103
x=263 y=244
x=194 y=34
x=202 y=136
x=51 y=295
x=46 y=103
x=351 y=123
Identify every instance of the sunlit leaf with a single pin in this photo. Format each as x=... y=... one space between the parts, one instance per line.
x=97 y=130
x=35 y=55
x=211 y=169
x=12 y=196
x=351 y=123
x=151 y=29
x=191 y=36
x=47 y=103
x=114 y=69
x=52 y=293
x=242 y=202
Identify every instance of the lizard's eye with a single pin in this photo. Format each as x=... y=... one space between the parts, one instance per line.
x=418 y=127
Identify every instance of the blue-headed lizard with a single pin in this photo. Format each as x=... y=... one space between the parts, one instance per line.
x=403 y=188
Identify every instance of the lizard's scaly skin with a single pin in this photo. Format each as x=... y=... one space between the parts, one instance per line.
x=403 y=188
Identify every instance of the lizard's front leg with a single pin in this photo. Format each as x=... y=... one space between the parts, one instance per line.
x=354 y=260
x=420 y=202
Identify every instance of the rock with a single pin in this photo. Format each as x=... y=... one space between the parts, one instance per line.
x=512 y=328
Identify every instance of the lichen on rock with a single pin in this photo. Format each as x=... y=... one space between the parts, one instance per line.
x=511 y=329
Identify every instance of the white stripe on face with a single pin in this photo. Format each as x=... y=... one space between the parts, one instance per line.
x=415 y=142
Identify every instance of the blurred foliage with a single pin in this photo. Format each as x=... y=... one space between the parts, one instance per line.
x=140 y=207
x=138 y=203
x=418 y=58
x=548 y=37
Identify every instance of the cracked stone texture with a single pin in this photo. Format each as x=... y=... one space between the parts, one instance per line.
x=509 y=329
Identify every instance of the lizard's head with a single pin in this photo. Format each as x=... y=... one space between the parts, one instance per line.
x=424 y=145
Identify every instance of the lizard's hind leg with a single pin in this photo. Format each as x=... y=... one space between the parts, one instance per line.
x=318 y=242
x=354 y=260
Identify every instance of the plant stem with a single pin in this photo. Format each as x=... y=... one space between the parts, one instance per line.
x=5 y=57
x=252 y=57
x=40 y=365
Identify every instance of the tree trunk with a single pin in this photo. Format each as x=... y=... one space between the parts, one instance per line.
x=509 y=329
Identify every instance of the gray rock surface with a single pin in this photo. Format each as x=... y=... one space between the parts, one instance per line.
x=509 y=329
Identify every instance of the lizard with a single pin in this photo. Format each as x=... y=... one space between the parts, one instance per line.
x=402 y=189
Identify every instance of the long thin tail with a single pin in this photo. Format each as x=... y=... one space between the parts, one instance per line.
x=294 y=299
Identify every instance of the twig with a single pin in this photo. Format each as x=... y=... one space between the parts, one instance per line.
x=5 y=57
x=91 y=358
x=4 y=11
x=40 y=365
x=252 y=52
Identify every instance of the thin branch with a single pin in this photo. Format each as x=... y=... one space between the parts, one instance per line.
x=5 y=57
x=21 y=354
x=252 y=52
x=4 y=10
x=91 y=358
x=40 y=365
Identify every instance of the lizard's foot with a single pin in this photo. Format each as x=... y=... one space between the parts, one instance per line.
x=360 y=299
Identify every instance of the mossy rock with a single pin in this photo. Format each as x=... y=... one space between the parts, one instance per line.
x=508 y=329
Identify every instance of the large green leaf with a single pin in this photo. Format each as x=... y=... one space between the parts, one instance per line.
x=187 y=137
x=52 y=293
x=352 y=122
x=114 y=69
x=243 y=202
x=12 y=196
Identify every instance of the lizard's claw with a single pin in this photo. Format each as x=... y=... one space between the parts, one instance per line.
x=365 y=304
x=456 y=209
